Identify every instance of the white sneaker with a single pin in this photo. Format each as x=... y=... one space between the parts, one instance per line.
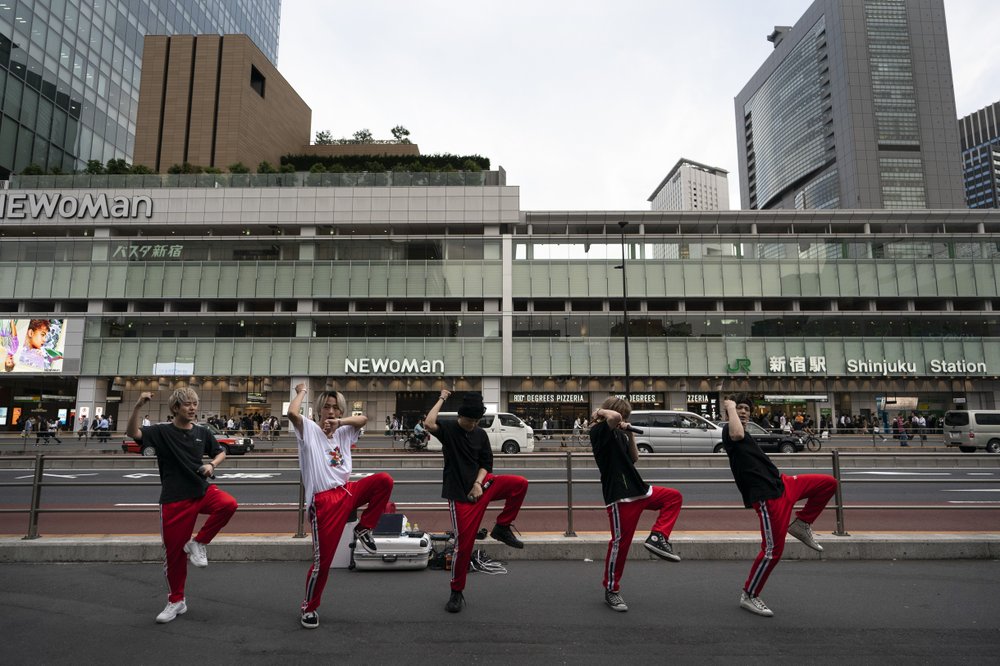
x=172 y=610
x=803 y=532
x=196 y=553
x=755 y=605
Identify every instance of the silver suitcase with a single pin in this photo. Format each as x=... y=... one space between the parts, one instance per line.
x=396 y=549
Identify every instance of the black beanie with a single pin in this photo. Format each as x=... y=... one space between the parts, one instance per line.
x=472 y=406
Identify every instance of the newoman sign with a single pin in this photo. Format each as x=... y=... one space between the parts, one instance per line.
x=395 y=366
x=32 y=205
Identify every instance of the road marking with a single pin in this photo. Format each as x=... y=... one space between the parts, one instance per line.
x=972 y=490
x=242 y=504
x=980 y=473
x=138 y=475
x=973 y=501
x=904 y=473
x=58 y=476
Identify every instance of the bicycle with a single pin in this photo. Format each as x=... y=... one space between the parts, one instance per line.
x=812 y=442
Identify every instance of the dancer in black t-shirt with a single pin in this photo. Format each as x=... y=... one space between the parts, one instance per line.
x=773 y=495
x=469 y=485
x=185 y=491
x=626 y=496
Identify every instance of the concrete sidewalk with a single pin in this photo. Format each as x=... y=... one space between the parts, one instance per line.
x=538 y=546
x=873 y=612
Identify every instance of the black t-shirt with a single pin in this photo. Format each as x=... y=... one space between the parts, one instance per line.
x=179 y=456
x=619 y=477
x=756 y=476
x=465 y=453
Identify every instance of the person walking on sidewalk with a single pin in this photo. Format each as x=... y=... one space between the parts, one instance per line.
x=469 y=485
x=626 y=496
x=185 y=492
x=773 y=495
x=325 y=464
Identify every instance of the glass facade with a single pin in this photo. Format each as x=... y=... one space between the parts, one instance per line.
x=980 y=136
x=325 y=283
x=69 y=71
x=786 y=123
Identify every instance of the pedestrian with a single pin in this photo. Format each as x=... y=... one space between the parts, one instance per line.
x=469 y=485
x=265 y=429
x=626 y=496
x=146 y=421
x=185 y=491
x=84 y=425
x=577 y=428
x=773 y=495
x=325 y=466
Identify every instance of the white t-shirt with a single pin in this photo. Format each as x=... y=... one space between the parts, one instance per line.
x=325 y=462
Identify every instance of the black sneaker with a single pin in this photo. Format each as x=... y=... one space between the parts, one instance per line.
x=455 y=602
x=614 y=599
x=658 y=545
x=505 y=534
x=310 y=620
x=365 y=538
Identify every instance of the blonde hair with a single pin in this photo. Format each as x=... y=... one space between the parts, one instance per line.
x=180 y=396
x=321 y=401
x=620 y=405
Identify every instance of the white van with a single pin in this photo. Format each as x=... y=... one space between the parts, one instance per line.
x=675 y=432
x=973 y=429
x=507 y=433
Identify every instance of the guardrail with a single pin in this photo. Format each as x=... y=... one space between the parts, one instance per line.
x=584 y=460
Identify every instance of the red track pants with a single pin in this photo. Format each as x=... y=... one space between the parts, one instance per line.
x=328 y=514
x=467 y=516
x=177 y=521
x=624 y=516
x=775 y=515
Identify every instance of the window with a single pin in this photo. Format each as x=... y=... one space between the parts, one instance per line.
x=257 y=80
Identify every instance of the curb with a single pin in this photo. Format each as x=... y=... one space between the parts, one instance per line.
x=589 y=546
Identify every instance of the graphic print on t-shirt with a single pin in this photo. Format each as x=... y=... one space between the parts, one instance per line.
x=336 y=457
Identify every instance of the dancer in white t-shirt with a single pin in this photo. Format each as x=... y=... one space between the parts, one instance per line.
x=325 y=464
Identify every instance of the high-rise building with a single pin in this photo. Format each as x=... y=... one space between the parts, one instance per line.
x=69 y=71
x=692 y=186
x=851 y=110
x=980 y=136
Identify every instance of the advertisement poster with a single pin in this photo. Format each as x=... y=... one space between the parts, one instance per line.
x=32 y=345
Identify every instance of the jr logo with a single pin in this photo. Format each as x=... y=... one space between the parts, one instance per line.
x=742 y=365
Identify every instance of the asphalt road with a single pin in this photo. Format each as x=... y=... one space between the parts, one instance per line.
x=271 y=508
x=539 y=613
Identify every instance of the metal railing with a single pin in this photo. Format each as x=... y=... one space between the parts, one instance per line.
x=376 y=462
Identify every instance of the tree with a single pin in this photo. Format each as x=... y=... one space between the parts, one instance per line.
x=94 y=168
x=238 y=167
x=32 y=170
x=400 y=133
x=141 y=169
x=324 y=138
x=266 y=167
x=363 y=136
x=119 y=166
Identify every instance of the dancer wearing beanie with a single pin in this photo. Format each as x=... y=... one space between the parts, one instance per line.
x=469 y=485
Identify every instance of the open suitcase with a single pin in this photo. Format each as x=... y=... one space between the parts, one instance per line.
x=397 y=549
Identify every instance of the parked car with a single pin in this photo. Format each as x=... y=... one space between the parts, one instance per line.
x=973 y=429
x=232 y=445
x=675 y=432
x=777 y=441
x=507 y=433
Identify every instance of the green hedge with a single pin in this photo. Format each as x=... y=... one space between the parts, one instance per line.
x=413 y=163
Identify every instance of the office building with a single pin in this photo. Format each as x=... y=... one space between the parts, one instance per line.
x=851 y=110
x=980 y=138
x=69 y=71
x=692 y=186
x=392 y=286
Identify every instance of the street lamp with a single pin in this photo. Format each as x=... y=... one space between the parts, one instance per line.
x=628 y=375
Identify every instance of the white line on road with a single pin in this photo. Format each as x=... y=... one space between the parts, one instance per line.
x=972 y=490
x=973 y=501
x=904 y=473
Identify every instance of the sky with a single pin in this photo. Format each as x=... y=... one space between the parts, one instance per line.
x=586 y=104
